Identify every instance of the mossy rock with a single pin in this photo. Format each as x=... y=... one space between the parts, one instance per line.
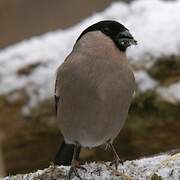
x=150 y=104
x=166 y=70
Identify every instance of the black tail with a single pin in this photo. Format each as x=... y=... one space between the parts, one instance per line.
x=65 y=154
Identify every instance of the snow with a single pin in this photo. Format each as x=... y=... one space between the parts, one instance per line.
x=155 y=24
x=144 y=81
x=164 y=166
x=171 y=93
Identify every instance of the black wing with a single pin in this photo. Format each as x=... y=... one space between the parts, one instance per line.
x=56 y=98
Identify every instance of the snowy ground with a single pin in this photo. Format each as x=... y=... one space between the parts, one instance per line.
x=155 y=24
x=162 y=167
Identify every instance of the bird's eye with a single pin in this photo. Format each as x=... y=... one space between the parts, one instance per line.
x=106 y=30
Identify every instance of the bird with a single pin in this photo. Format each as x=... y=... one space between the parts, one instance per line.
x=94 y=88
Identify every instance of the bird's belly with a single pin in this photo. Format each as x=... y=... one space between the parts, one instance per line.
x=93 y=136
x=93 y=123
x=92 y=111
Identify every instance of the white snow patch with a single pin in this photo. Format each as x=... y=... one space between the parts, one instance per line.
x=165 y=166
x=155 y=24
x=170 y=93
x=144 y=81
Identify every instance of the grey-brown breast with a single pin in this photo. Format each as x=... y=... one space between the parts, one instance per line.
x=95 y=94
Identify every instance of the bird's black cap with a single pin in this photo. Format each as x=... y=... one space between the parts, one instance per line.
x=116 y=31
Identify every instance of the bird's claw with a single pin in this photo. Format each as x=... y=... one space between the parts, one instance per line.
x=116 y=162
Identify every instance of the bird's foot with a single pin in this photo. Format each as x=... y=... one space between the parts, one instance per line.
x=73 y=170
x=117 y=173
x=116 y=162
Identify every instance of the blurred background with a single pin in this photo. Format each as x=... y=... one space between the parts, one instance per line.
x=22 y=19
x=36 y=36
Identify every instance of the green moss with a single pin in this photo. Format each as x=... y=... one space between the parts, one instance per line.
x=150 y=106
x=151 y=127
x=148 y=112
x=166 y=70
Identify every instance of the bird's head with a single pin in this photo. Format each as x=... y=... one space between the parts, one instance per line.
x=119 y=34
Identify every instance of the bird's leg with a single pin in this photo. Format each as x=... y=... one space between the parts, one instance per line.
x=116 y=160
x=75 y=162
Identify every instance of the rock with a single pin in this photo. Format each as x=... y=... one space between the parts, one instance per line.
x=159 y=167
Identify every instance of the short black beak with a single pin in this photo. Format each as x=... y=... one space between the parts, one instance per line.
x=126 y=35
